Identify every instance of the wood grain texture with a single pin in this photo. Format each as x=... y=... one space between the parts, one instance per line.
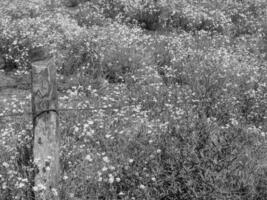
x=46 y=138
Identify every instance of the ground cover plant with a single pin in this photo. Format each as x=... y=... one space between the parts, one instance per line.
x=158 y=99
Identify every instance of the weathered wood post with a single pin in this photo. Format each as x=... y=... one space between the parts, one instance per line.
x=45 y=127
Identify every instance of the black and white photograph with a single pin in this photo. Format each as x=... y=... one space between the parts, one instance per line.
x=133 y=99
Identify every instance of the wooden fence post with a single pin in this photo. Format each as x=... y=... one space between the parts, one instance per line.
x=45 y=127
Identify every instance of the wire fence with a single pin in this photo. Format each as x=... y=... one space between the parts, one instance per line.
x=25 y=96
x=19 y=114
x=7 y=96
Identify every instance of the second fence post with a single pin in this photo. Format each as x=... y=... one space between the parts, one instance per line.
x=45 y=127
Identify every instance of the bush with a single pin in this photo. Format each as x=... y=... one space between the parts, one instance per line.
x=119 y=61
x=90 y=14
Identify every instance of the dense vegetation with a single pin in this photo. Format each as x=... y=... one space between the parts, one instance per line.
x=173 y=92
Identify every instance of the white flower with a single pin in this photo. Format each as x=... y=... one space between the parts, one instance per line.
x=4 y=186
x=35 y=188
x=106 y=159
x=6 y=165
x=21 y=185
x=118 y=179
x=131 y=160
x=234 y=122
x=104 y=169
x=39 y=187
x=54 y=191
x=158 y=150
x=90 y=122
x=142 y=186
x=71 y=195
x=89 y=158
x=24 y=180
x=36 y=160
x=76 y=129
x=111 y=178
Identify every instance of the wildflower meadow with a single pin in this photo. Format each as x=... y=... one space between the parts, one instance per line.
x=157 y=99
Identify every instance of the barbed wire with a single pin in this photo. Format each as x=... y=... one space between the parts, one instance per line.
x=15 y=114
x=20 y=85
x=14 y=85
x=11 y=96
x=71 y=109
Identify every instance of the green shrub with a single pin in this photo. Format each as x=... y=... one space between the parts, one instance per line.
x=90 y=14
